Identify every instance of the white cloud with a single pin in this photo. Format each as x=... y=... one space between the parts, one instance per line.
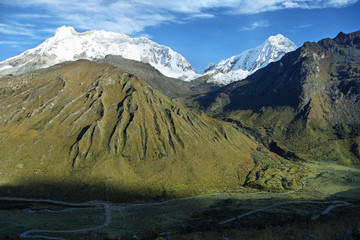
x=254 y=25
x=258 y=6
x=15 y=44
x=304 y=26
x=8 y=42
x=29 y=16
x=203 y=15
x=133 y=16
x=16 y=28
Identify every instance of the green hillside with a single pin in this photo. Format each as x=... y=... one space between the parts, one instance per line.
x=303 y=107
x=85 y=130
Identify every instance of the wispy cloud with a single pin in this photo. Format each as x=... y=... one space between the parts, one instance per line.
x=15 y=28
x=202 y=15
x=29 y=15
x=132 y=17
x=300 y=27
x=304 y=26
x=8 y=42
x=14 y=44
x=258 y=6
x=254 y=25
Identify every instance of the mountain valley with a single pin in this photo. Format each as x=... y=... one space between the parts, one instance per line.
x=174 y=154
x=94 y=124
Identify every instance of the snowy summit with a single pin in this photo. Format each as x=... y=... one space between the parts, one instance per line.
x=68 y=45
x=240 y=66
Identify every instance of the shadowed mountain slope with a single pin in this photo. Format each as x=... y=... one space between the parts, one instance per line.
x=103 y=130
x=307 y=105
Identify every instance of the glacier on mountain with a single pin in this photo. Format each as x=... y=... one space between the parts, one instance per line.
x=68 y=45
x=240 y=66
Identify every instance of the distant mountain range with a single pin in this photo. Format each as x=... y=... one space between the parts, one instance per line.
x=68 y=45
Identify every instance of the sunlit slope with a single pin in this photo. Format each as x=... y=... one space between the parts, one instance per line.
x=92 y=128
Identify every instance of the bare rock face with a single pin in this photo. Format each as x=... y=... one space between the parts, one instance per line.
x=308 y=102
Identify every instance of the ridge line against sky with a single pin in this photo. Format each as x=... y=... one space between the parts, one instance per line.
x=202 y=31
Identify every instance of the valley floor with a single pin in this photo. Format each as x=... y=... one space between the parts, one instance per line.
x=327 y=206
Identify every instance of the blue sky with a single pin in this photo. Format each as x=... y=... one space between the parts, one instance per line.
x=202 y=31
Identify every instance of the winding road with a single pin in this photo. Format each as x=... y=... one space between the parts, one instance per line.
x=90 y=204
x=326 y=211
x=106 y=207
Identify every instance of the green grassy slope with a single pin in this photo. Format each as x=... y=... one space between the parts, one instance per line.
x=305 y=106
x=87 y=130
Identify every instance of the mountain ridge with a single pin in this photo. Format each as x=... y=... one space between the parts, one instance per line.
x=97 y=126
x=306 y=104
x=240 y=66
x=171 y=87
x=68 y=45
x=94 y=124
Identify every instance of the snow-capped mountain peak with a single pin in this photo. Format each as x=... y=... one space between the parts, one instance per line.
x=68 y=45
x=240 y=66
x=209 y=67
x=278 y=39
x=64 y=32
